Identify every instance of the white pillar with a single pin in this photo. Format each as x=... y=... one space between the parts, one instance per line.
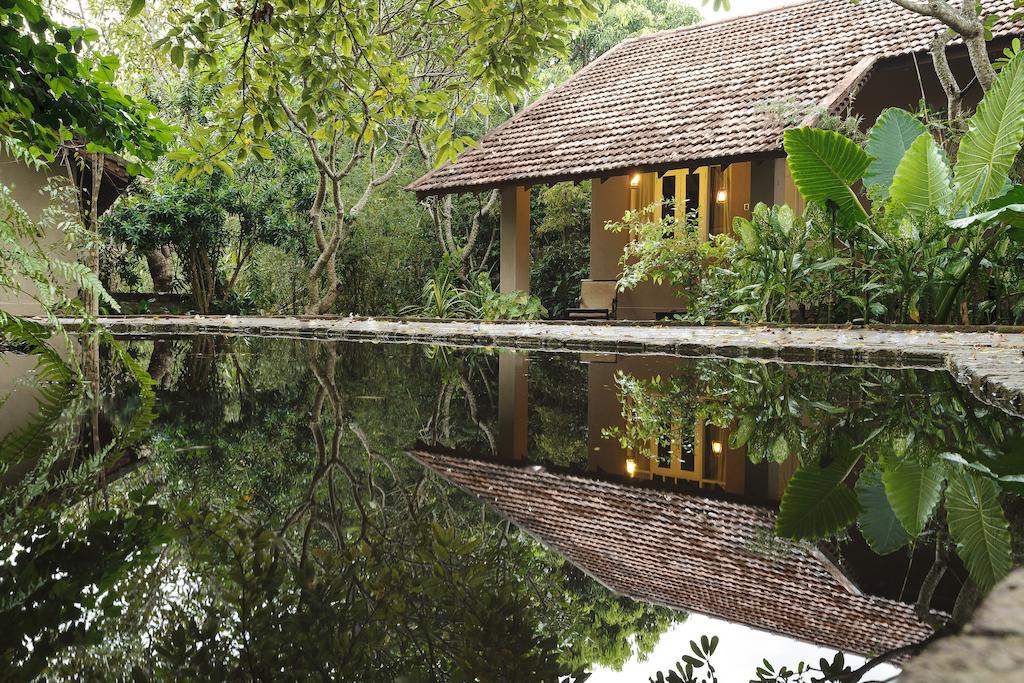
x=515 y=239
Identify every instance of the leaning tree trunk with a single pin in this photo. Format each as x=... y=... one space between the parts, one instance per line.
x=161 y=269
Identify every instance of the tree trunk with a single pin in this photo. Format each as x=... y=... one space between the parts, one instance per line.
x=161 y=361
x=203 y=281
x=92 y=303
x=161 y=269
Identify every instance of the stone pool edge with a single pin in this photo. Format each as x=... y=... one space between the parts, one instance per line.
x=990 y=362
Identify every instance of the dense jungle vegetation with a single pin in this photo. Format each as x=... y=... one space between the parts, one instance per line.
x=243 y=215
x=271 y=147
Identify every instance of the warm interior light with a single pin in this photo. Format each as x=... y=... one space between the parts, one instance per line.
x=631 y=467
x=716 y=447
x=722 y=196
x=635 y=180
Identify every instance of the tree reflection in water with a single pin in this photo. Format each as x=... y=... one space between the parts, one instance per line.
x=273 y=528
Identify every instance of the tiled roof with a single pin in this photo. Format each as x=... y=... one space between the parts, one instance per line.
x=687 y=552
x=692 y=94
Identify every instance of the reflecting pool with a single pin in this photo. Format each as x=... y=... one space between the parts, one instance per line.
x=240 y=508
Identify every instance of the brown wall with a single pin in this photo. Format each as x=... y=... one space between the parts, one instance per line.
x=895 y=83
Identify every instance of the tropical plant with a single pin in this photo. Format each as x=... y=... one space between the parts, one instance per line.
x=698 y=667
x=909 y=176
x=560 y=246
x=442 y=297
x=666 y=250
x=492 y=305
x=786 y=265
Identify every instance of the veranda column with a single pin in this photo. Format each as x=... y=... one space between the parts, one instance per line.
x=513 y=405
x=515 y=239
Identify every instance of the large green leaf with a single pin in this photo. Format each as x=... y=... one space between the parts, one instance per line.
x=993 y=139
x=1010 y=215
x=877 y=521
x=1006 y=209
x=888 y=140
x=824 y=166
x=817 y=503
x=978 y=526
x=913 y=491
x=922 y=181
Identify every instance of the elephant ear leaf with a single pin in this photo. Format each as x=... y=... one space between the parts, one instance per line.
x=824 y=166
x=913 y=491
x=977 y=524
x=888 y=140
x=993 y=138
x=817 y=503
x=1007 y=209
x=877 y=522
x=922 y=181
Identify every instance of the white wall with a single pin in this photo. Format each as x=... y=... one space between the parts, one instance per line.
x=27 y=187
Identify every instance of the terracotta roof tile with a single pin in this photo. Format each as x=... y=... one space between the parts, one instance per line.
x=692 y=94
x=687 y=552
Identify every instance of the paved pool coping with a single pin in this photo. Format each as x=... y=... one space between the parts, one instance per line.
x=990 y=361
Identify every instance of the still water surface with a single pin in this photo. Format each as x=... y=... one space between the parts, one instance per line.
x=286 y=509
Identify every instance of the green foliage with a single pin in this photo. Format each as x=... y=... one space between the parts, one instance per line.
x=977 y=524
x=699 y=668
x=817 y=503
x=626 y=19
x=57 y=93
x=41 y=269
x=695 y=667
x=670 y=251
x=213 y=223
x=825 y=165
x=877 y=521
x=253 y=441
x=492 y=305
x=560 y=246
x=443 y=298
x=922 y=182
x=777 y=264
x=925 y=252
x=993 y=139
x=382 y=55
x=911 y=430
x=889 y=139
x=914 y=490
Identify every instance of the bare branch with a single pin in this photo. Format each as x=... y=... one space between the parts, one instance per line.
x=378 y=180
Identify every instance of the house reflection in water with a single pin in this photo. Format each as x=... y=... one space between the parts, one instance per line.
x=691 y=528
x=692 y=454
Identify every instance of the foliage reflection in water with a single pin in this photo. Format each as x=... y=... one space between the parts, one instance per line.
x=293 y=509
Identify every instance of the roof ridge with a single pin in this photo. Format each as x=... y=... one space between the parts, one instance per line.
x=723 y=20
